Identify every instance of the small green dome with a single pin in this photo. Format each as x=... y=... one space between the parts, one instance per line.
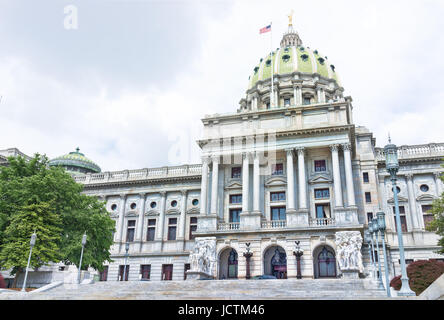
x=75 y=162
x=289 y=59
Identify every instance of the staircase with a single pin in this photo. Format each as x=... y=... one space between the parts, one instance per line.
x=330 y=289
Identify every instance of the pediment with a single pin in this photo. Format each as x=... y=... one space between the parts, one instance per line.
x=152 y=213
x=400 y=199
x=426 y=197
x=320 y=178
x=114 y=215
x=131 y=214
x=233 y=185
x=275 y=181
x=193 y=210
x=172 y=211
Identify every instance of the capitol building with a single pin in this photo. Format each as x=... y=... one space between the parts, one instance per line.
x=289 y=166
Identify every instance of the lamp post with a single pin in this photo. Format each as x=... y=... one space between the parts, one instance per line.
x=370 y=230
x=126 y=260
x=298 y=253
x=374 y=224
x=32 y=243
x=381 y=228
x=247 y=256
x=368 y=240
x=392 y=166
x=81 y=257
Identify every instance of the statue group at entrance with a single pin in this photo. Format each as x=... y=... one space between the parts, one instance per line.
x=348 y=246
x=203 y=259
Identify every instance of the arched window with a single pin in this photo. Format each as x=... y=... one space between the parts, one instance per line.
x=326 y=263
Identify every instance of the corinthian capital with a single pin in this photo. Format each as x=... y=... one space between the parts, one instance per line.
x=409 y=176
x=300 y=151
x=346 y=146
x=334 y=147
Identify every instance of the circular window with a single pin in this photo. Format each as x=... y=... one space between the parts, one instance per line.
x=114 y=207
x=286 y=57
x=195 y=202
x=256 y=69
x=268 y=62
x=174 y=203
x=302 y=48
x=153 y=204
x=398 y=189
x=321 y=60
x=316 y=52
x=424 y=188
x=304 y=57
x=133 y=206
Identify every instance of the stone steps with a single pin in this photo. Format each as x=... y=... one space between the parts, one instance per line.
x=335 y=289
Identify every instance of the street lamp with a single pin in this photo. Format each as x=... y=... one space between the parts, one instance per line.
x=368 y=240
x=32 y=243
x=298 y=253
x=392 y=166
x=247 y=256
x=381 y=228
x=126 y=260
x=81 y=256
x=374 y=228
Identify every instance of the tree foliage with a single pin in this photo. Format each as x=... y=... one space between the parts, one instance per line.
x=34 y=196
x=421 y=274
x=437 y=224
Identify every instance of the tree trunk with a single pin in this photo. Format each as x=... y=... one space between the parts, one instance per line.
x=14 y=283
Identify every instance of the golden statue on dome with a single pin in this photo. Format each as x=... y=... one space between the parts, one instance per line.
x=290 y=19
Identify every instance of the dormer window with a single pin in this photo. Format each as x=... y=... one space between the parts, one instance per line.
x=268 y=63
x=304 y=57
x=256 y=69
x=286 y=57
x=321 y=60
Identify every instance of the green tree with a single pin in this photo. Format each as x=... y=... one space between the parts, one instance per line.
x=437 y=224
x=23 y=183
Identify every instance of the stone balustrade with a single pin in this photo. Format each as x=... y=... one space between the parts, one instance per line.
x=140 y=174
x=414 y=151
x=273 y=224
x=322 y=222
x=222 y=226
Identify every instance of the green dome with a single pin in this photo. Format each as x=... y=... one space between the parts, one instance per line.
x=75 y=162
x=289 y=59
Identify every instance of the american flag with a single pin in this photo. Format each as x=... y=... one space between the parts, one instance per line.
x=265 y=29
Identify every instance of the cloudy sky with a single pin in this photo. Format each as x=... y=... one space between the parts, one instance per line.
x=130 y=84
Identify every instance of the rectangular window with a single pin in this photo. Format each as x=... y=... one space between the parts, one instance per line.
x=145 y=271
x=369 y=216
x=368 y=197
x=193 y=227
x=306 y=101
x=235 y=198
x=268 y=105
x=104 y=274
x=167 y=272
x=320 y=166
x=235 y=215
x=323 y=211
x=287 y=102
x=277 y=196
x=365 y=177
x=402 y=218
x=151 y=230
x=236 y=172
x=172 y=225
x=277 y=169
x=185 y=269
x=426 y=214
x=278 y=213
x=130 y=230
x=123 y=273
x=322 y=193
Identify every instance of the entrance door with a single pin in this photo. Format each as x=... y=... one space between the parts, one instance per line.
x=104 y=274
x=279 y=264
x=167 y=272
x=122 y=270
x=232 y=264
x=326 y=264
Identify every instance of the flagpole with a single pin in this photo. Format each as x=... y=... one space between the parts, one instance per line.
x=272 y=68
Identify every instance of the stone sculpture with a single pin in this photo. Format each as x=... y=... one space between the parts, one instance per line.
x=349 y=255
x=203 y=258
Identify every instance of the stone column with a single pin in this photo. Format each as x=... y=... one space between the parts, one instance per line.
x=181 y=234
x=336 y=175
x=349 y=175
x=412 y=202
x=438 y=183
x=300 y=95
x=214 y=185
x=161 y=222
x=302 y=182
x=204 y=187
x=139 y=232
x=295 y=96
x=256 y=183
x=245 y=182
x=120 y=223
x=290 y=180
